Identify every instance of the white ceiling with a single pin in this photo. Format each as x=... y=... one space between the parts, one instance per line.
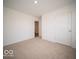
x=43 y=6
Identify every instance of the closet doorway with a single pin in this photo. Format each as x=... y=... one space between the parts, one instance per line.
x=36 y=28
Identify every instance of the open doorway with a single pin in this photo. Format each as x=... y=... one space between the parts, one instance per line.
x=36 y=28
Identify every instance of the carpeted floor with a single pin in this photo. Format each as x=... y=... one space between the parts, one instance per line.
x=39 y=49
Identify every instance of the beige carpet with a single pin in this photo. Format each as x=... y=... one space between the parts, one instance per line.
x=40 y=49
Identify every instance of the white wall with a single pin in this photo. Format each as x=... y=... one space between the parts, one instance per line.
x=59 y=26
x=17 y=26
